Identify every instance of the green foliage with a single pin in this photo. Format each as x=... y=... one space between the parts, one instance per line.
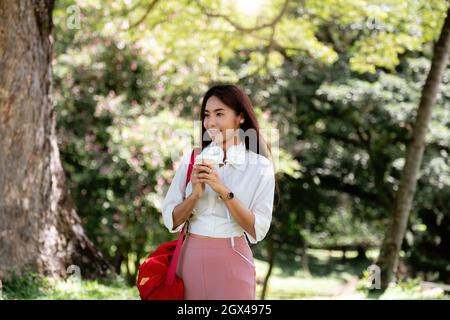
x=339 y=79
x=29 y=286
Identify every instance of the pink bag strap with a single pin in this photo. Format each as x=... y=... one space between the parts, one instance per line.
x=174 y=262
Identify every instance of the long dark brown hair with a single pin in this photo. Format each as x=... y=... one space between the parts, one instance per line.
x=236 y=99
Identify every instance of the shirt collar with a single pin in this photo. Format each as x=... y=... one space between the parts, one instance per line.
x=236 y=156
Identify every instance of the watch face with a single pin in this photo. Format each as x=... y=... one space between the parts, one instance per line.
x=231 y=195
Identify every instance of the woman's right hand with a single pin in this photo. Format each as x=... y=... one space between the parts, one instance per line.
x=198 y=188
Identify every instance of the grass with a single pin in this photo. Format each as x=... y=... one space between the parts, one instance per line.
x=329 y=277
x=33 y=286
x=326 y=276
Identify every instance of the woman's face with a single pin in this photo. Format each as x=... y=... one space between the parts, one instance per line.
x=220 y=120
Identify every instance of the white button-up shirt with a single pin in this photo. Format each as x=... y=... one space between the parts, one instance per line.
x=248 y=175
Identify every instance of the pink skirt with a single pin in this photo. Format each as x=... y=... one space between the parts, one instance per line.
x=211 y=270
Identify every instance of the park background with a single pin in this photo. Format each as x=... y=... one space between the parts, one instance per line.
x=341 y=82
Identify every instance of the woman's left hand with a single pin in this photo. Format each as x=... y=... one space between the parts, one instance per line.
x=210 y=176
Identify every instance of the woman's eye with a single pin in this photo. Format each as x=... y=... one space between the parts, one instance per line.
x=220 y=114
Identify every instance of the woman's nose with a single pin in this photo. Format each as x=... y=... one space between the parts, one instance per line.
x=210 y=124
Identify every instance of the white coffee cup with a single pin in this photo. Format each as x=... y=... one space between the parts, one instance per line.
x=211 y=155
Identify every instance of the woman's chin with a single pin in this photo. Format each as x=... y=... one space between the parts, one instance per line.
x=217 y=138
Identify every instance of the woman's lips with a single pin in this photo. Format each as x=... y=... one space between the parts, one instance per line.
x=213 y=132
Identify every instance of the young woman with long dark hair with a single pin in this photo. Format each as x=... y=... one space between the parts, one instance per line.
x=223 y=204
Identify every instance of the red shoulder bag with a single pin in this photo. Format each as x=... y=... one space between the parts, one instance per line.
x=156 y=276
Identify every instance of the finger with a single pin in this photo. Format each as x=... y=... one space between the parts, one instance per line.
x=203 y=176
x=210 y=170
x=201 y=167
x=204 y=163
x=196 y=170
x=210 y=165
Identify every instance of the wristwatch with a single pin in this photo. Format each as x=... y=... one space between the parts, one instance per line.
x=230 y=195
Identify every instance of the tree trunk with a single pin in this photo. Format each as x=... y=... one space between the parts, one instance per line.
x=305 y=260
x=361 y=253
x=388 y=258
x=118 y=259
x=40 y=230
x=269 y=271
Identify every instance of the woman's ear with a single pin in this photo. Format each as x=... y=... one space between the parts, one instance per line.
x=242 y=118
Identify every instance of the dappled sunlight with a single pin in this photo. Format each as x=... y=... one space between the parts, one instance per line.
x=351 y=98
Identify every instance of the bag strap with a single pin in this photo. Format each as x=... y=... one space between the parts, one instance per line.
x=174 y=262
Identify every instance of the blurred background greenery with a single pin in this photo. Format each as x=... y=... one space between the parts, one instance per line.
x=340 y=80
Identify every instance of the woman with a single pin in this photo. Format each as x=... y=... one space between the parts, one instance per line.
x=223 y=202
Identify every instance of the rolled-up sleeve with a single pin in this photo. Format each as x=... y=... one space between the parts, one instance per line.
x=176 y=193
x=262 y=204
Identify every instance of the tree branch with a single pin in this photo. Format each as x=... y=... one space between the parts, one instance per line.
x=239 y=27
x=149 y=8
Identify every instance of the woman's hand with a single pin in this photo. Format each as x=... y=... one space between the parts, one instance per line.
x=198 y=188
x=208 y=174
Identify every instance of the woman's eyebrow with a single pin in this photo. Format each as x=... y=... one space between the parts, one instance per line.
x=218 y=109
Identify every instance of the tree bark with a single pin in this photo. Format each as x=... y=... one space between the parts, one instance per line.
x=271 y=261
x=40 y=230
x=389 y=253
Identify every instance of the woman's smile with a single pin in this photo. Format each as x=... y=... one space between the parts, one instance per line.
x=213 y=131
